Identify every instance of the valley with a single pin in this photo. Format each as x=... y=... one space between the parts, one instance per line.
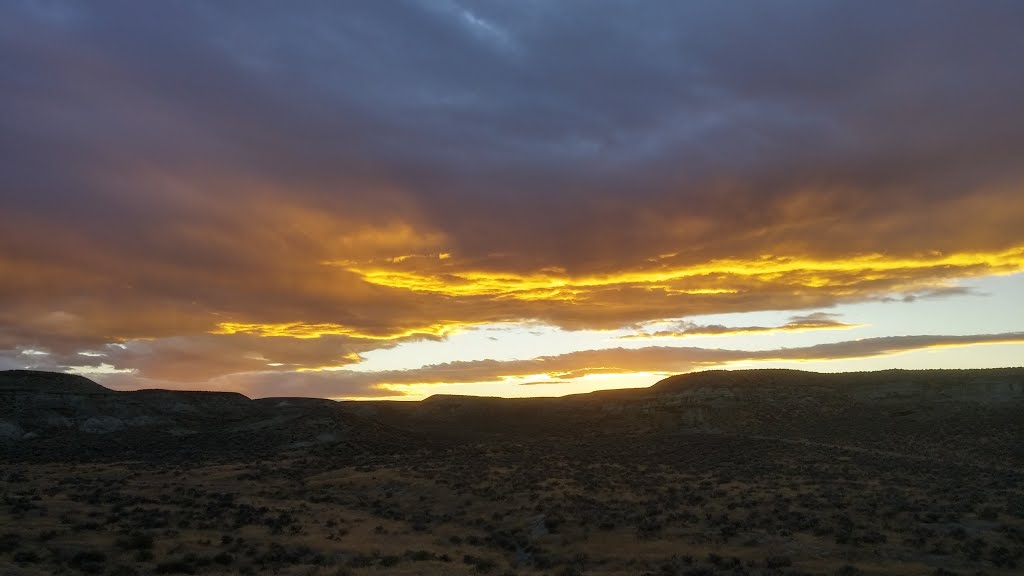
x=749 y=472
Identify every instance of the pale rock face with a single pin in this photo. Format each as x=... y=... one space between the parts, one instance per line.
x=10 y=431
x=327 y=438
x=538 y=526
x=58 y=421
x=102 y=425
x=139 y=421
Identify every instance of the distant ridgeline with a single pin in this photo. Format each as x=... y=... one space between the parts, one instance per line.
x=45 y=415
x=53 y=416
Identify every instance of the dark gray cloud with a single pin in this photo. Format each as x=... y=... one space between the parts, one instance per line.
x=557 y=118
x=930 y=293
x=684 y=328
x=169 y=166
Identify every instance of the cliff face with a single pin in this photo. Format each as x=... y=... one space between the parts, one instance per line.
x=34 y=404
x=32 y=400
x=53 y=416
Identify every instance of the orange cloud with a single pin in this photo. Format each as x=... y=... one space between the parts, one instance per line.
x=305 y=330
x=673 y=359
x=564 y=367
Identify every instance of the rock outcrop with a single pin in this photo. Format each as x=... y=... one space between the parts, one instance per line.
x=46 y=415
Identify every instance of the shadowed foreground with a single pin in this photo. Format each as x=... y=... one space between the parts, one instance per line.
x=756 y=472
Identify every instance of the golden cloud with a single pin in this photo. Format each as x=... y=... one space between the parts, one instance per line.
x=306 y=330
x=714 y=277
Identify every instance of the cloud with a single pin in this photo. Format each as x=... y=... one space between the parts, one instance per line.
x=674 y=359
x=178 y=172
x=937 y=292
x=559 y=369
x=198 y=358
x=813 y=321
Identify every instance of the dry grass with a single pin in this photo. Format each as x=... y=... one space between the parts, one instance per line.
x=681 y=504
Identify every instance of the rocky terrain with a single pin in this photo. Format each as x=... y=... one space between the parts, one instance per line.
x=936 y=412
x=749 y=472
x=60 y=417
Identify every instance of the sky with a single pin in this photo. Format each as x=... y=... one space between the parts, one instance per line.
x=396 y=199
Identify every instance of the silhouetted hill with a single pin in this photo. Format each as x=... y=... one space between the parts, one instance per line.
x=966 y=414
x=961 y=412
x=995 y=384
x=749 y=472
x=54 y=416
x=51 y=382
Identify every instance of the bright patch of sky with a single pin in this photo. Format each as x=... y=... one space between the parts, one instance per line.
x=995 y=304
x=531 y=386
x=97 y=370
x=952 y=357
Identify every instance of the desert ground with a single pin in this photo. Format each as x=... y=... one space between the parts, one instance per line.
x=766 y=472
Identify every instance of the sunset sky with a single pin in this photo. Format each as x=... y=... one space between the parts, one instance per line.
x=392 y=199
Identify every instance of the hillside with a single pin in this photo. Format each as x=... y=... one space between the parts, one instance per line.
x=47 y=416
x=969 y=413
x=966 y=413
x=754 y=472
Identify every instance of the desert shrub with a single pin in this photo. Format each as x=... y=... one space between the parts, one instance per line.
x=728 y=531
x=957 y=532
x=974 y=548
x=87 y=526
x=648 y=526
x=9 y=542
x=988 y=513
x=136 y=541
x=26 y=557
x=872 y=537
x=1002 y=557
x=89 y=561
x=481 y=565
x=178 y=566
x=144 y=556
x=420 y=555
x=360 y=561
x=552 y=523
x=570 y=570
